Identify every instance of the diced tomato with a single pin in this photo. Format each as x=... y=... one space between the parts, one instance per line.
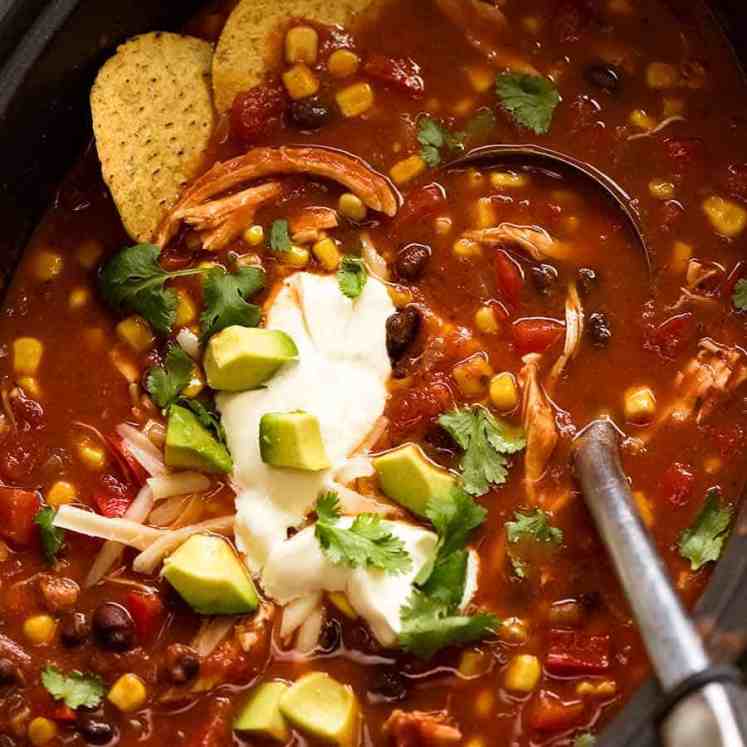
x=548 y=712
x=676 y=483
x=17 y=511
x=401 y=73
x=684 y=152
x=509 y=278
x=419 y=204
x=61 y=712
x=257 y=112
x=146 y=611
x=572 y=653
x=114 y=498
x=536 y=335
x=18 y=457
x=131 y=469
x=420 y=404
x=673 y=334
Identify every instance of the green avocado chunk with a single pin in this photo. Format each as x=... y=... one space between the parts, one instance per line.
x=209 y=576
x=189 y=445
x=261 y=715
x=407 y=476
x=321 y=707
x=292 y=439
x=241 y=358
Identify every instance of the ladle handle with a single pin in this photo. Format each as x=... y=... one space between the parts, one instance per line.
x=715 y=716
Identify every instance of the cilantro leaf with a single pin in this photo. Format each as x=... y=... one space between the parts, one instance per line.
x=367 y=542
x=519 y=567
x=739 y=297
x=165 y=383
x=280 y=236
x=479 y=127
x=529 y=99
x=486 y=440
x=535 y=525
x=448 y=578
x=208 y=419
x=225 y=296
x=454 y=520
x=76 y=689
x=52 y=537
x=428 y=625
x=703 y=542
x=352 y=276
x=433 y=136
x=133 y=280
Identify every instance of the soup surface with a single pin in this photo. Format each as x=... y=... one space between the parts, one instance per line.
x=318 y=338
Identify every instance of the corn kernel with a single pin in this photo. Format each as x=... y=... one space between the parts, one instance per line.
x=340 y=600
x=186 y=311
x=661 y=189
x=639 y=405
x=603 y=689
x=476 y=742
x=61 y=493
x=343 y=63
x=351 y=206
x=485 y=213
x=39 y=629
x=136 y=332
x=327 y=254
x=400 y=295
x=254 y=235
x=94 y=457
x=504 y=392
x=484 y=703
x=661 y=75
x=89 y=253
x=712 y=465
x=473 y=374
x=672 y=107
x=41 y=730
x=47 y=265
x=196 y=383
x=531 y=24
x=355 y=100
x=508 y=180
x=638 y=118
x=406 y=169
x=474 y=663
x=296 y=256
x=27 y=355
x=514 y=630
x=681 y=255
x=727 y=217
x=128 y=693
x=466 y=248
x=443 y=225
x=301 y=45
x=30 y=386
x=78 y=298
x=481 y=78
x=486 y=320
x=300 y=82
x=523 y=673
x=644 y=507
x=475 y=178
x=123 y=363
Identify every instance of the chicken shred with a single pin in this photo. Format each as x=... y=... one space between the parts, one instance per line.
x=420 y=729
x=574 y=331
x=535 y=241
x=308 y=225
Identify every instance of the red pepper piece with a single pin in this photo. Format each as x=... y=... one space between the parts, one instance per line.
x=17 y=511
x=401 y=73
x=509 y=277
x=536 y=335
x=673 y=334
x=548 y=712
x=419 y=204
x=131 y=469
x=146 y=611
x=257 y=112
x=676 y=483
x=61 y=712
x=573 y=653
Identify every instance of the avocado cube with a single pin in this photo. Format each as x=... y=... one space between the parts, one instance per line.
x=260 y=715
x=292 y=439
x=407 y=476
x=241 y=358
x=321 y=707
x=189 y=445
x=210 y=577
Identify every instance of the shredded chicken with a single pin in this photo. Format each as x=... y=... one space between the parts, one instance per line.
x=372 y=188
x=538 y=418
x=420 y=729
x=535 y=241
x=308 y=226
x=574 y=332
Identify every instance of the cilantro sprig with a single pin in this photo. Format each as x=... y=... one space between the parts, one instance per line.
x=366 y=543
x=703 y=542
x=352 y=276
x=76 y=689
x=486 y=441
x=534 y=525
x=165 y=383
x=739 y=297
x=225 y=295
x=434 y=137
x=52 y=537
x=208 y=419
x=529 y=99
x=280 y=236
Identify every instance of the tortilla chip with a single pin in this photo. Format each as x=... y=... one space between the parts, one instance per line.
x=152 y=117
x=251 y=41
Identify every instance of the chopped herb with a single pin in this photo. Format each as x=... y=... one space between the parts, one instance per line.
x=454 y=520
x=208 y=419
x=535 y=525
x=479 y=127
x=529 y=99
x=352 y=276
x=519 y=567
x=367 y=542
x=225 y=296
x=279 y=236
x=133 y=280
x=585 y=740
x=486 y=441
x=165 y=383
x=76 y=689
x=52 y=537
x=433 y=136
x=739 y=297
x=703 y=542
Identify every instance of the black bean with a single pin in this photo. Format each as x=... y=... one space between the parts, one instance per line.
x=183 y=663
x=401 y=331
x=9 y=674
x=113 y=627
x=331 y=636
x=309 y=114
x=587 y=280
x=94 y=729
x=599 y=329
x=544 y=277
x=388 y=684
x=412 y=260
x=606 y=77
x=74 y=629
